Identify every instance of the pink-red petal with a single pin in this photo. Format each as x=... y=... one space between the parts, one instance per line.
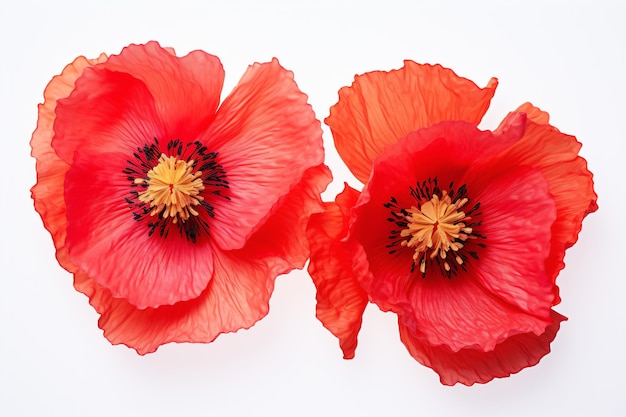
x=267 y=137
x=380 y=108
x=340 y=299
x=472 y=365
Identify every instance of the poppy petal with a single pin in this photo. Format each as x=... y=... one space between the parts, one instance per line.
x=236 y=298
x=472 y=365
x=380 y=108
x=147 y=270
x=506 y=291
x=555 y=155
x=266 y=136
x=106 y=119
x=444 y=151
x=340 y=299
x=283 y=236
x=512 y=292
x=186 y=89
x=48 y=192
x=107 y=112
x=243 y=282
x=517 y=210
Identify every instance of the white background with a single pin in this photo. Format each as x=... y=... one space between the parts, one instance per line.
x=566 y=57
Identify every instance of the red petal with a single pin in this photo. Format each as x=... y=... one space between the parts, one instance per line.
x=267 y=137
x=444 y=151
x=48 y=192
x=470 y=365
x=517 y=211
x=100 y=125
x=555 y=155
x=236 y=298
x=340 y=299
x=382 y=107
x=186 y=90
x=107 y=112
x=147 y=271
x=283 y=236
x=512 y=293
x=506 y=291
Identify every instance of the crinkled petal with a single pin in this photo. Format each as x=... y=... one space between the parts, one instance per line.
x=107 y=112
x=380 y=108
x=517 y=210
x=48 y=192
x=340 y=299
x=555 y=155
x=186 y=89
x=105 y=119
x=471 y=365
x=267 y=137
x=236 y=298
x=283 y=236
x=146 y=270
x=444 y=151
x=504 y=292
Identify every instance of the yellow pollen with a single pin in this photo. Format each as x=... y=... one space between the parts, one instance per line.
x=173 y=189
x=435 y=229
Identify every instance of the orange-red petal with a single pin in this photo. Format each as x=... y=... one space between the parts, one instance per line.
x=340 y=299
x=380 y=108
x=48 y=192
x=472 y=365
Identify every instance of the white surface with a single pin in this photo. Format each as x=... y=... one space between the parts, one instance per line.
x=566 y=57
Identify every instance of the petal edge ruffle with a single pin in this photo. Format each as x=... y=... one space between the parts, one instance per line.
x=380 y=108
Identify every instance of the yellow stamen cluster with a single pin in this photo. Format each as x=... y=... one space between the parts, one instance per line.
x=173 y=189
x=438 y=226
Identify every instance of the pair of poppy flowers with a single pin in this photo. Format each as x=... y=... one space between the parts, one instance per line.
x=176 y=213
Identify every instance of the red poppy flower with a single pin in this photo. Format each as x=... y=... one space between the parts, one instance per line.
x=460 y=232
x=176 y=216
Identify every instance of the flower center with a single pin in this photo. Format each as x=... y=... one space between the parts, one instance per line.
x=173 y=188
x=436 y=227
x=175 y=183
